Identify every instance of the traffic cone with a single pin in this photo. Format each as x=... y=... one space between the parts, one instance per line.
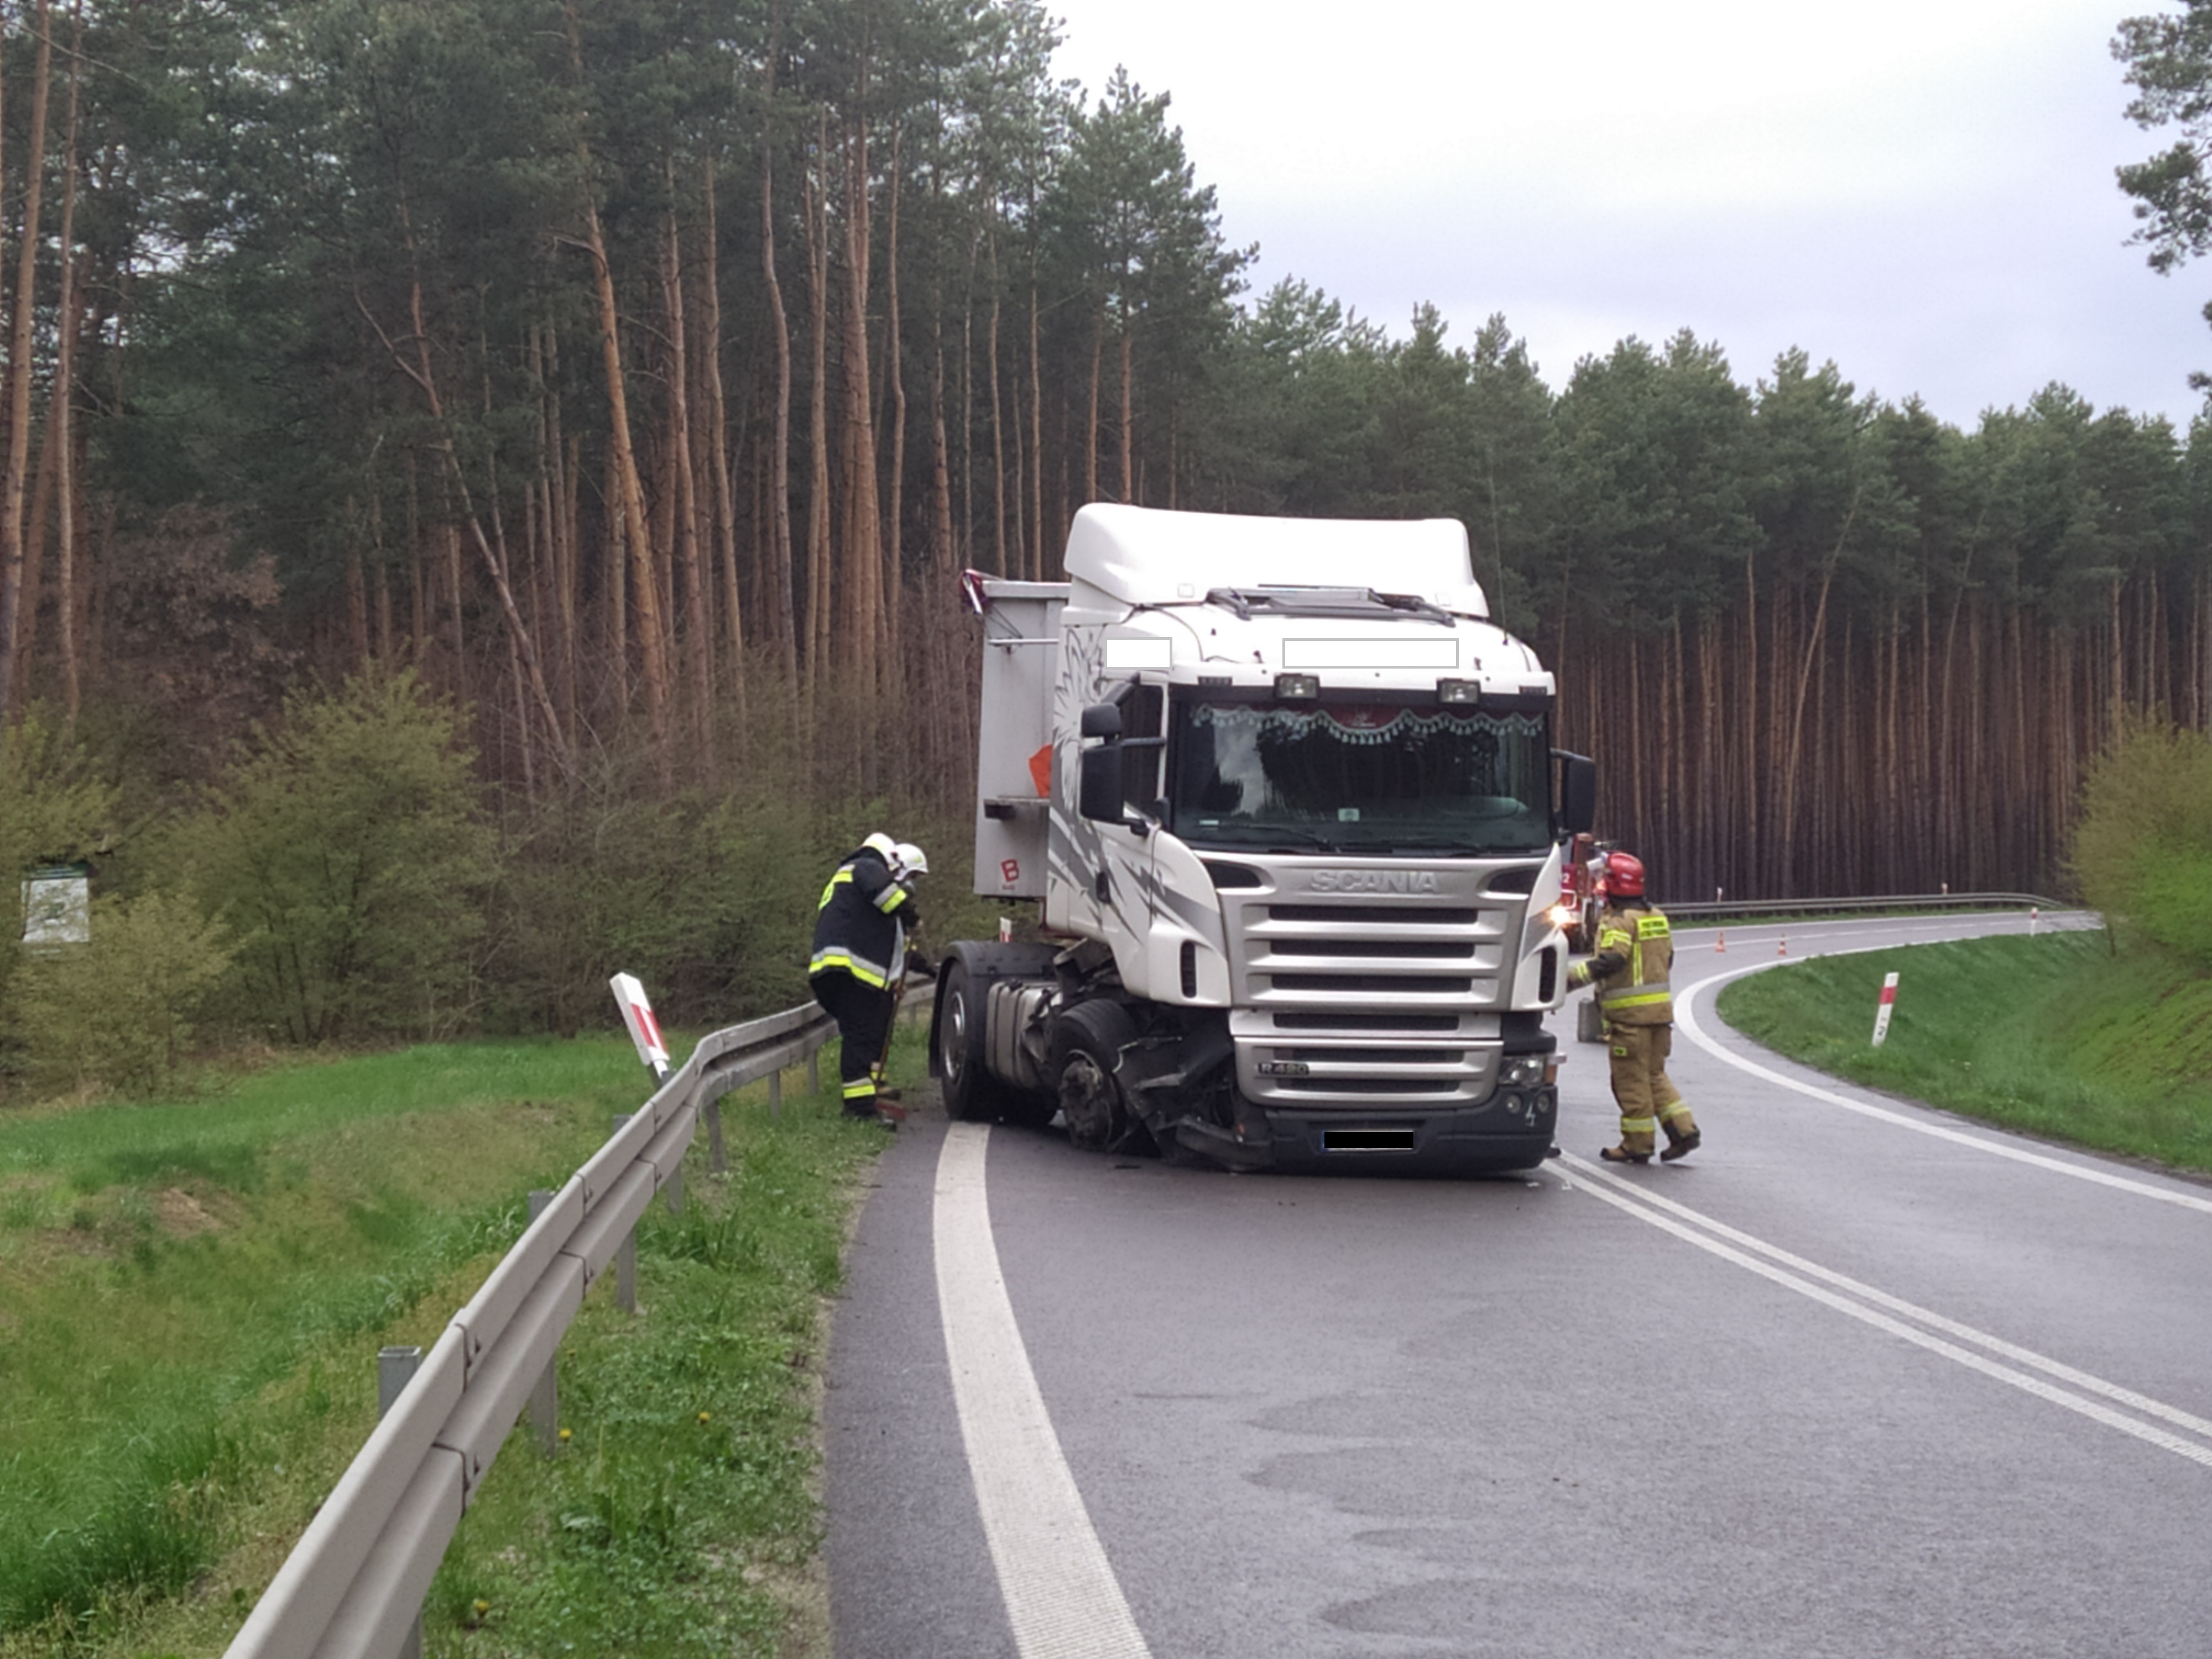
x=1720 y=941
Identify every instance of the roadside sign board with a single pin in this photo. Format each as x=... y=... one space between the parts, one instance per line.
x=58 y=905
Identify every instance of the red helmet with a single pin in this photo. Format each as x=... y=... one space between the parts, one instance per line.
x=1624 y=875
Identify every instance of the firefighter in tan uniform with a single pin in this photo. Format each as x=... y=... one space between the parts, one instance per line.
x=1634 y=951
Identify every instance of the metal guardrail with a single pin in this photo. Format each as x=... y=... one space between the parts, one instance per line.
x=1815 y=907
x=354 y=1585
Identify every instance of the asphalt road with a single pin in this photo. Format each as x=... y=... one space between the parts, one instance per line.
x=1858 y=1378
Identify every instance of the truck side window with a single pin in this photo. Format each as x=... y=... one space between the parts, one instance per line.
x=1142 y=709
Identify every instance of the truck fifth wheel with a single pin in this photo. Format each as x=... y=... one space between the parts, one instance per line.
x=1288 y=801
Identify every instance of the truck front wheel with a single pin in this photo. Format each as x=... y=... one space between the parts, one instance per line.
x=1087 y=1042
x=971 y=1092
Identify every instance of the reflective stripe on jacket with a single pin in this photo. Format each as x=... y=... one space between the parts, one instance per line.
x=857 y=927
x=1635 y=953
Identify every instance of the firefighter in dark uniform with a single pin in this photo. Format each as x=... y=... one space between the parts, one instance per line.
x=860 y=929
x=1635 y=950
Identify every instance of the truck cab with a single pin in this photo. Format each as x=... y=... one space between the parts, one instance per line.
x=1287 y=801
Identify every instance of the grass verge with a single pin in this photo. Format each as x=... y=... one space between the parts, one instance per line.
x=2052 y=1035
x=192 y=1300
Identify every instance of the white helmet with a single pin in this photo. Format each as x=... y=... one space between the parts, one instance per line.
x=908 y=860
x=884 y=847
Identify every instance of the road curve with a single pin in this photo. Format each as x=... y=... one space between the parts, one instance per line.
x=1857 y=1378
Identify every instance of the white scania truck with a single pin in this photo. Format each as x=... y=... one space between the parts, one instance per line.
x=1290 y=805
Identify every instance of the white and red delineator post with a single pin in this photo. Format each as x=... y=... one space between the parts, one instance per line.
x=644 y=1029
x=1882 y=1013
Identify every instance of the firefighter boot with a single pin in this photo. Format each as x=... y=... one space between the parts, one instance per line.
x=1636 y=1134
x=1682 y=1134
x=864 y=1108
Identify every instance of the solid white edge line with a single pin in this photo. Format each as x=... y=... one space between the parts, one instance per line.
x=1898 y=1327
x=1686 y=1017
x=1964 y=1332
x=1062 y=1599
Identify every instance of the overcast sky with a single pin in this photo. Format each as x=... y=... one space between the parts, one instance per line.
x=1920 y=190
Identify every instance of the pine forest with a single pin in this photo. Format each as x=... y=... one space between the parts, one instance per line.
x=632 y=383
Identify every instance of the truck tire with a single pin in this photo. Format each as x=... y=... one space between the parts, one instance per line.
x=971 y=1094
x=1086 y=1054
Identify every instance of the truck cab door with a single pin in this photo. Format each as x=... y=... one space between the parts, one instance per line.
x=1114 y=857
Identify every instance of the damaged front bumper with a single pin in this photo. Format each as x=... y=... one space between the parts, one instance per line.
x=1513 y=1130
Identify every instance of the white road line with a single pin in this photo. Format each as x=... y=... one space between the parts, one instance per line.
x=1062 y=1599
x=1611 y=1190
x=1948 y=1327
x=1686 y=1017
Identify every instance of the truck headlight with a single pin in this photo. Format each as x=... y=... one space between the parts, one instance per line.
x=1560 y=915
x=1521 y=1071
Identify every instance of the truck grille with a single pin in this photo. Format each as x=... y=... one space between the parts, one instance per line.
x=1399 y=1088
x=1388 y=915
x=1396 y=1025
x=1369 y=1000
x=1388 y=985
x=1366 y=956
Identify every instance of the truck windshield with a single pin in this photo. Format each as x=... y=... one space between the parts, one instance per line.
x=1359 y=777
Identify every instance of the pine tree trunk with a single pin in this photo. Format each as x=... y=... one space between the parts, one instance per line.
x=62 y=409
x=37 y=523
x=1091 y=426
x=651 y=628
x=421 y=371
x=698 y=635
x=1129 y=414
x=418 y=615
x=967 y=406
x=1751 y=860
x=1036 y=563
x=20 y=368
x=894 y=533
x=997 y=421
x=614 y=581
x=817 y=509
x=356 y=601
x=450 y=541
x=783 y=622
x=943 y=569
x=717 y=454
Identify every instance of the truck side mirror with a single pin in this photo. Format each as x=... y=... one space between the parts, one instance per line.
x=1103 y=720
x=1577 y=793
x=1098 y=778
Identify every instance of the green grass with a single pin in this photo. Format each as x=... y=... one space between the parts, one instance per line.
x=2052 y=1035
x=192 y=1295
x=680 y=1517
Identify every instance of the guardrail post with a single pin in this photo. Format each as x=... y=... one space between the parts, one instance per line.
x=676 y=1189
x=814 y=1072
x=394 y=1366
x=718 y=1159
x=545 y=1392
x=626 y=1256
x=776 y=1094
